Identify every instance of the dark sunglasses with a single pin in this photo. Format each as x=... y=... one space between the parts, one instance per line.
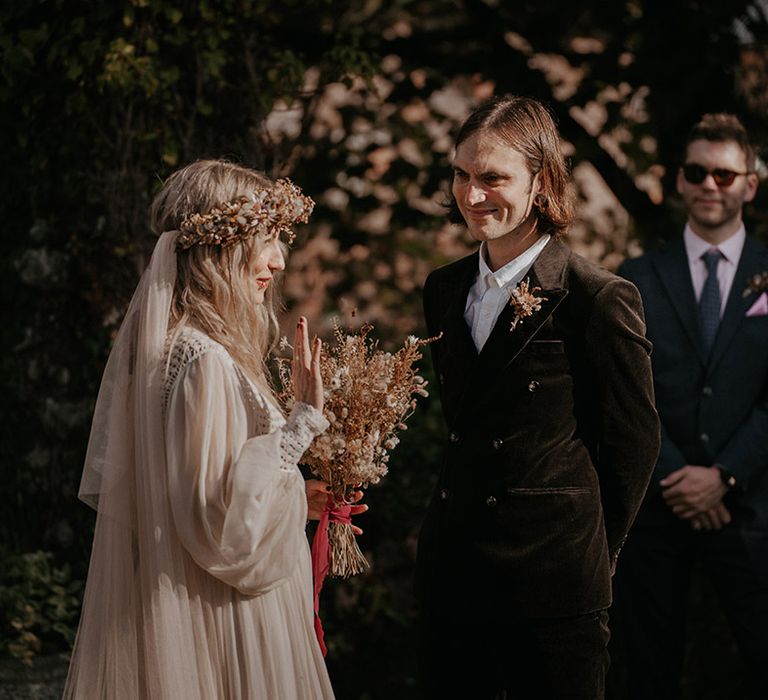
x=696 y=174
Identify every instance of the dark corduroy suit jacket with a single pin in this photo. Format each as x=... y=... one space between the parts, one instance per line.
x=551 y=438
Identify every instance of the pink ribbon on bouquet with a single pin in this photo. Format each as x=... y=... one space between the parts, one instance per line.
x=321 y=556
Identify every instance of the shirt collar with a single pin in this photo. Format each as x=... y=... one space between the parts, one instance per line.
x=696 y=246
x=515 y=269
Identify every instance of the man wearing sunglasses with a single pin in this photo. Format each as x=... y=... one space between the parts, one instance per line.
x=707 y=505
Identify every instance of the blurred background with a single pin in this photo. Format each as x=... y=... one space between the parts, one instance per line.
x=357 y=101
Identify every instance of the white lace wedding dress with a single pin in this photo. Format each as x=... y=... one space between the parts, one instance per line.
x=235 y=582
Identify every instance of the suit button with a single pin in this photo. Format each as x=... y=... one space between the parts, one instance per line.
x=443 y=494
x=497 y=444
x=490 y=501
x=441 y=378
x=533 y=385
x=454 y=437
x=704 y=437
x=707 y=391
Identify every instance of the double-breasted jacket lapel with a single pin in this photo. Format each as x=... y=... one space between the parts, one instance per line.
x=675 y=276
x=458 y=335
x=457 y=347
x=503 y=344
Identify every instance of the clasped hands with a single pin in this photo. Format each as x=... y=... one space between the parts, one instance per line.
x=695 y=493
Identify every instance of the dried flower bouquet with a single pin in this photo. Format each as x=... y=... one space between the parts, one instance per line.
x=369 y=394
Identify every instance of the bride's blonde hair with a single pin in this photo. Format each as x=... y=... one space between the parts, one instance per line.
x=215 y=289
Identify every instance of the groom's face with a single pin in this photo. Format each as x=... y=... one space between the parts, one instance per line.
x=492 y=186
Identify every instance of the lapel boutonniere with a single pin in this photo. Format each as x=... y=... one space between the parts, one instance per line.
x=756 y=284
x=524 y=302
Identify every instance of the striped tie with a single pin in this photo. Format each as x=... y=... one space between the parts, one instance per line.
x=709 y=302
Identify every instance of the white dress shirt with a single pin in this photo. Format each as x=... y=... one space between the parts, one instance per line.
x=730 y=249
x=490 y=291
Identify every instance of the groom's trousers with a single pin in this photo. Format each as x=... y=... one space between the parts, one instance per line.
x=522 y=659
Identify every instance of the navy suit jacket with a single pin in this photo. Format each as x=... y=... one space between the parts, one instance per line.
x=713 y=408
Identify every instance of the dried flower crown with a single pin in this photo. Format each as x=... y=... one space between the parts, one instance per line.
x=270 y=211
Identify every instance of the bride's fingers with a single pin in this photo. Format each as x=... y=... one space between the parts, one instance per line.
x=316 y=351
x=355 y=496
x=356 y=530
x=306 y=356
x=356 y=510
x=298 y=344
x=314 y=486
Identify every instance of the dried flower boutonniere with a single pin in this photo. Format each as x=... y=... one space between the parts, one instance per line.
x=524 y=301
x=756 y=283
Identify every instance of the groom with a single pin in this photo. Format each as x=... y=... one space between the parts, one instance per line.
x=545 y=382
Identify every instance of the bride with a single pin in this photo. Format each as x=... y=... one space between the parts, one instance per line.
x=200 y=582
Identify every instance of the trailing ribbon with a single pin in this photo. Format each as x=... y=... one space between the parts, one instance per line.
x=321 y=556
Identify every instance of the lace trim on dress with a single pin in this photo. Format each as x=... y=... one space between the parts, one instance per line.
x=189 y=345
x=303 y=424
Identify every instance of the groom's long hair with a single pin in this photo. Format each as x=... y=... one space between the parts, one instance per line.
x=527 y=126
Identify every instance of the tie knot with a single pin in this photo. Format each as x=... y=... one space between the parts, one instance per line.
x=711 y=258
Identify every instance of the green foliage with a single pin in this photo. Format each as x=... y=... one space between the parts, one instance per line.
x=39 y=605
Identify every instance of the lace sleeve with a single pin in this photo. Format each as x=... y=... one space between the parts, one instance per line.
x=304 y=423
